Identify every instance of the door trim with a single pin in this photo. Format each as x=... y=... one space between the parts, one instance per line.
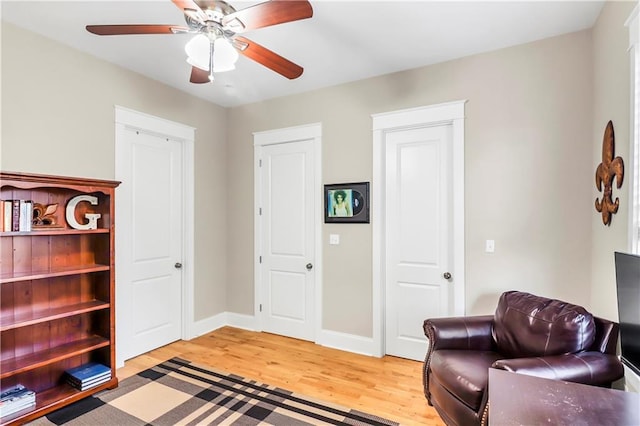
x=129 y=119
x=278 y=136
x=450 y=113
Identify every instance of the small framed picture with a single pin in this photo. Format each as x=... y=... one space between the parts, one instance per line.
x=346 y=203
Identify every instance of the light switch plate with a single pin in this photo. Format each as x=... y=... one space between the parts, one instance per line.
x=490 y=246
x=334 y=239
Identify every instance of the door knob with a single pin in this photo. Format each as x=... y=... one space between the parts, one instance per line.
x=447 y=275
x=178 y=265
x=309 y=266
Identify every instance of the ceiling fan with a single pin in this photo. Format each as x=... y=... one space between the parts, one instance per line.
x=217 y=25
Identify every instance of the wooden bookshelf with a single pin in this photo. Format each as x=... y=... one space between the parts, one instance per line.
x=56 y=292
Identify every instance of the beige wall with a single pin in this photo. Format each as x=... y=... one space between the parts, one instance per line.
x=535 y=116
x=611 y=101
x=58 y=118
x=528 y=173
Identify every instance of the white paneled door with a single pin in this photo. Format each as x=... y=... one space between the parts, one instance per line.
x=418 y=233
x=152 y=253
x=287 y=248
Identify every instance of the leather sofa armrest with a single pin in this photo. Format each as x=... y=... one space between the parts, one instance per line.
x=464 y=333
x=471 y=333
x=591 y=367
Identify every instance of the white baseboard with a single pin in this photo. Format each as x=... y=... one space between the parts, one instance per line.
x=207 y=325
x=333 y=339
x=347 y=342
x=246 y=322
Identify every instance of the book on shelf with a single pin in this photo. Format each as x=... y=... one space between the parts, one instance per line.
x=90 y=374
x=15 y=393
x=16 y=398
x=26 y=405
x=89 y=384
x=7 y=207
x=18 y=411
x=16 y=215
x=15 y=218
x=76 y=382
x=26 y=215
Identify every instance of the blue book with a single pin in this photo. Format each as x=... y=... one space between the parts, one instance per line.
x=88 y=371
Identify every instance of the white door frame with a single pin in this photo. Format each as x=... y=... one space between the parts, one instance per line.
x=450 y=113
x=278 y=136
x=127 y=119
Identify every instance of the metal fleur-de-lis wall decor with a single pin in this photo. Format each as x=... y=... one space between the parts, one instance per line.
x=609 y=168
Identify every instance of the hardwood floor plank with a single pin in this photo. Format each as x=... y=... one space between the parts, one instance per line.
x=388 y=387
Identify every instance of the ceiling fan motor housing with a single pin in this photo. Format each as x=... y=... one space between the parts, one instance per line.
x=209 y=17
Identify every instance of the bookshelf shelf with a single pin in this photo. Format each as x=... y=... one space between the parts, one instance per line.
x=21 y=364
x=57 y=291
x=60 y=271
x=54 y=231
x=17 y=320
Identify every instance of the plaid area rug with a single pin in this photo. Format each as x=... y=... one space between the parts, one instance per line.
x=178 y=392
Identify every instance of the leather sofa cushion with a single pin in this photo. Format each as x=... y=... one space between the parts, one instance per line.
x=528 y=326
x=463 y=373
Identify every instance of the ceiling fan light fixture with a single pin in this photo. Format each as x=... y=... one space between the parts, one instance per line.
x=225 y=56
x=197 y=50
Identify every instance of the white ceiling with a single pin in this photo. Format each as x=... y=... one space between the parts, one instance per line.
x=344 y=40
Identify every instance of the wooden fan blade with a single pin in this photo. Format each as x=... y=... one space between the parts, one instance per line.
x=270 y=59
x=186 y=6
x=134 y=29
x=199 y=76
x=266 y=14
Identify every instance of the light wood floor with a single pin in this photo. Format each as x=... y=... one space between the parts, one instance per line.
x=389 y=387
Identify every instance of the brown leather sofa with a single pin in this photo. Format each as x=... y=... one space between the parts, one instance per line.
x=527 y=334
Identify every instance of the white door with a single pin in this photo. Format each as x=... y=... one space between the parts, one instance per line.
x=418 y=233
x=287 y=249
x=151 y=277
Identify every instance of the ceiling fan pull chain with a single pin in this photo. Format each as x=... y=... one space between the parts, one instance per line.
x=211 y=60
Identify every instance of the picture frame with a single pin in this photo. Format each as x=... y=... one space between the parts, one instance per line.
x=346 y=202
